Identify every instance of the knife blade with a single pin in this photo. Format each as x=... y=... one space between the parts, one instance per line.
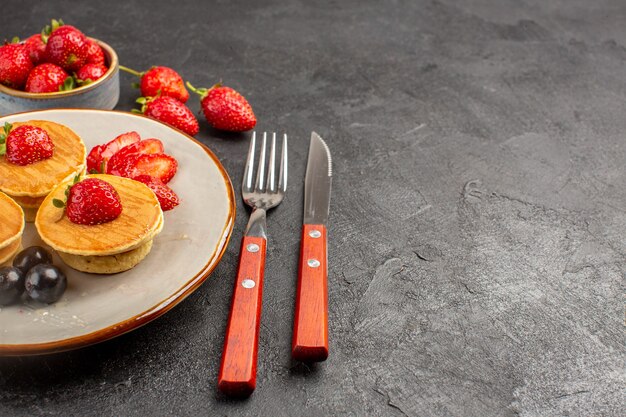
x=310 y=334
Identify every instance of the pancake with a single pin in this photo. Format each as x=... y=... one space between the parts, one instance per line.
x=141 y=220
x=109 y=264
x=11 y=221
x=8 y=253
x=39 y=178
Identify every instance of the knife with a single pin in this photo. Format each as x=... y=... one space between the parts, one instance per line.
x=310 y=333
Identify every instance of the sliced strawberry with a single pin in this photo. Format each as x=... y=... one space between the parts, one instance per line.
x=158 y=165
x=166 y=196
x=119 y=142
x=94 y=160
x=124 y=167
x=148 y=146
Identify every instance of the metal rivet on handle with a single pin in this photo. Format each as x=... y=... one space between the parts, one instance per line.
x=248 y=283
x=313 y=263
x=252 y=247
x=315 y=234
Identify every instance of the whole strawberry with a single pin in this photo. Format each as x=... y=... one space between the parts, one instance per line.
x=91 y=201
x=36 y=48
x=48 y=78
x=166 y=196
x=25 y=144
x=67 y=47
x=161 y=81
x=225 y=109
x=89 y=73
x=15 y=64
x=95 y=54
x=170 y=111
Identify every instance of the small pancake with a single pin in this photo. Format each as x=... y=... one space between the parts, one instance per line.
x=108 y=264
x=37 y=179
x=7 y=254
x=140 y=221
x=11 y=221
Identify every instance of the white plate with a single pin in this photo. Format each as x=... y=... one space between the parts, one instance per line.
x=95 y=308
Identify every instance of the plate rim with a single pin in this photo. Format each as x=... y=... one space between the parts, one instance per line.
x=157 y=309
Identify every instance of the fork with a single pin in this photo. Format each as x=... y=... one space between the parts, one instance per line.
x=237 y=374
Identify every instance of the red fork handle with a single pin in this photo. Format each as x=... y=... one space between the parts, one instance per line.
x=310 y=333
x=237 y=374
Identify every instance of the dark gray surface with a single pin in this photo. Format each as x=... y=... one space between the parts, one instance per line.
x=477 y=244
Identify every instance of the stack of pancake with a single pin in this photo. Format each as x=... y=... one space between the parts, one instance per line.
x=28 y=185
x=11 y=228
x=110 y=247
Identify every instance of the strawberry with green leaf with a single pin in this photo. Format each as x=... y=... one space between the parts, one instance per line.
x=160 y=81
x=170 y=111
x=25 y=144
x=48 y=78
x=67 y=47
x=90 y=202
x=225 y=109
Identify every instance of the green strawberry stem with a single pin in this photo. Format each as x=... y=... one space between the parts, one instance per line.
x=143 y=101
x=131 y=71
x=68 y=84
x=3 y=138
x=62 y=203
x=48 y=29
x=202 y=92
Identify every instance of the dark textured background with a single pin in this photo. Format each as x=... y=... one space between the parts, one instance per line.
x=477 y=249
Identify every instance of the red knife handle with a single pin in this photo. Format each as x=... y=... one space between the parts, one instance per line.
x=237 y=374
x=310 y=333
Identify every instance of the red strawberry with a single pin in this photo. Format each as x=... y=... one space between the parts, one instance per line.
x=36 y=48
x=67 y=47
x=158 y=165
x=48 y=78
x=119 y=142
x=225 y=109
x=148 y=146
x=89 y=73
x=94 y=160
x=160 y=81
x=166 y=196
x=25 y=144
x=170 y=111
x=93 y=201
x=95 y=54
x=15 y=64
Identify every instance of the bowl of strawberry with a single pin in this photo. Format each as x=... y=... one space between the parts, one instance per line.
x=60 y=67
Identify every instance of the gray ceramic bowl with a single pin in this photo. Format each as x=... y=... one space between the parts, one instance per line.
x=101 y=94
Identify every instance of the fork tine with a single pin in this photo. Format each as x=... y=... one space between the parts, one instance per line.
x=247 y=175
x=282 y=178
x=271 y=181
x=260 y=175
